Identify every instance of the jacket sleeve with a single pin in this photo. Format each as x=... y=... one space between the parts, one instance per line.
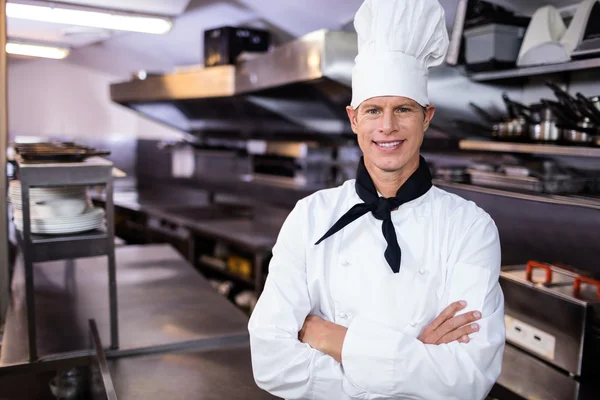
x=282 y=365
x=380 y=362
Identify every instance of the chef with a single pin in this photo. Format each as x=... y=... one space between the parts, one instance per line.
x=385 y=287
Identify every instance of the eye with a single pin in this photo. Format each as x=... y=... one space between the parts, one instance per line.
x=403 y=110
x=372 y=111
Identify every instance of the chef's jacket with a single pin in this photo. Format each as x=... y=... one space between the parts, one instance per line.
x=450 y=252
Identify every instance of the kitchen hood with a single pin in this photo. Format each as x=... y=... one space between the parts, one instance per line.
x=301 y=87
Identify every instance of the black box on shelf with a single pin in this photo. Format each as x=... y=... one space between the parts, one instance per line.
x=222 y=46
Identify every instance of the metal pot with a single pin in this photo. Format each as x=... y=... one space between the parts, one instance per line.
x=545 y=131
x=516 y=128
x=583 y=132
x=577 y=136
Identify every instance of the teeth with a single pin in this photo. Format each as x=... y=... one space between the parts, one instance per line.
x=392 y=144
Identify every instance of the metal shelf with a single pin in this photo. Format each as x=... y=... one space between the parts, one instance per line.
x=36 y=248
x=76 y=245
x=530 y=148
x=577 y=201
x=536 y=70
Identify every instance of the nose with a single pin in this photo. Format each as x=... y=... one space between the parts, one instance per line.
x=387 y=126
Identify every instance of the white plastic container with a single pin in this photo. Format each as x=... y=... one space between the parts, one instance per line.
x=493 y=46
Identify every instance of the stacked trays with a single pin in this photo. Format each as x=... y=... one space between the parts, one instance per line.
x=56 y=210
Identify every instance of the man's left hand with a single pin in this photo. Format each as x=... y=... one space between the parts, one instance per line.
x=324 y=336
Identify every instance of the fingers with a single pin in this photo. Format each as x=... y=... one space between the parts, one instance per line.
x=461 y=334
x=447 y=314
x=458 y=321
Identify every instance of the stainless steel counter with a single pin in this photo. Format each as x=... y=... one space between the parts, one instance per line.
x=207 y=375
x=256 y=234
x=163 y=303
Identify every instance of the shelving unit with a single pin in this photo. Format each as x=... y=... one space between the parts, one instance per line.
x=526 y=72
x=530 y=148
x=41 y=248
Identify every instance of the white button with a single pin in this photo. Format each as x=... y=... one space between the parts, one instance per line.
x=342 y=315
x=345 y=263
x=422 y=271
x=413 y=324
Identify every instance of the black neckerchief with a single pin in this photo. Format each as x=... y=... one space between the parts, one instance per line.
x=416 y=186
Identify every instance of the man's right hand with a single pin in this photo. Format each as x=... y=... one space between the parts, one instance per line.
x=449 y=327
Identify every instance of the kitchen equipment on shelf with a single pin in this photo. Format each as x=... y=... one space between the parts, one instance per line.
x=539 y=177
x=578 y=26
x=56 y=210
x=589 y=108
x=55 y=152
x=552 y=312
x=452 y=174
x=557 y=184
x=91 y=219
x=583 y=132
x=589 y=45
x=516 y=126
x=301 y=163
x=545 y=117
x=542 y=41
x=492 y=46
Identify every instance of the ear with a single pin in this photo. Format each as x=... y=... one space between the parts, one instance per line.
x=352 y=117
x=429 y=113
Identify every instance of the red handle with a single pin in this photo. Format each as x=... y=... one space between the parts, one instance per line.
x=531 y=265
x=577 y=285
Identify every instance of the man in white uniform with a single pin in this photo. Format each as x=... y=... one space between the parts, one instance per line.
x=385 y=287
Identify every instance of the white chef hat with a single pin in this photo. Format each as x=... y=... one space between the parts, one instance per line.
x=398 y=41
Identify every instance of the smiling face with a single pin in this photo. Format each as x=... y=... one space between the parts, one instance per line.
x=390 y=131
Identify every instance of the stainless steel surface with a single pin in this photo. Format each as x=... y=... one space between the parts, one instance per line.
x=303 y=85
x=285 y=195
x=529 y=148
x=163 y=303
x=4 y=267
x=555 y=310
x=108 y=388
x=538 y=70
x=320 y=54
x=257 y=233
x=503 y=181
x=590 y=203
x=207 y=375
x=206 y=82
x=92 y=171
x=531 y=378
x=539 y=183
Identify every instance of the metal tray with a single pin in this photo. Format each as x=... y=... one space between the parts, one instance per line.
x=551 y=185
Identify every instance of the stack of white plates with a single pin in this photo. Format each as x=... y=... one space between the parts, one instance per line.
x=56 y=210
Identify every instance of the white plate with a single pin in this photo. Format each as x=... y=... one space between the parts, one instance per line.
x=62 y=230
x=19 y=222
x=18 y=203
x=90 y=214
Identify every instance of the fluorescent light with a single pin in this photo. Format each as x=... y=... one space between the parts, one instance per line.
x=84 y=17
x=34 y=50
